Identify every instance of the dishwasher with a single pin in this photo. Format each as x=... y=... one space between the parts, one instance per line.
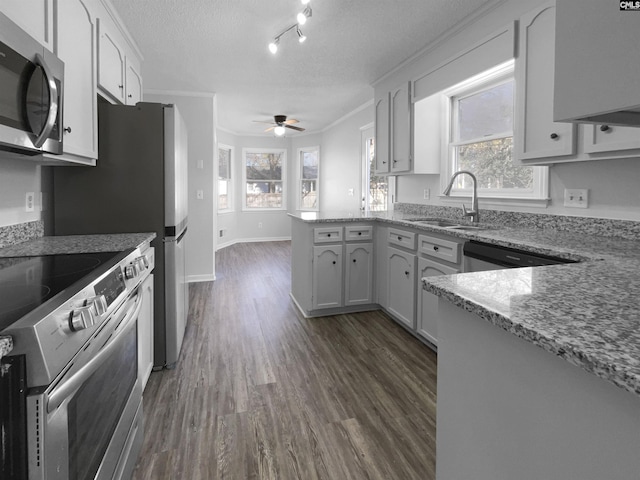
x=480 y=256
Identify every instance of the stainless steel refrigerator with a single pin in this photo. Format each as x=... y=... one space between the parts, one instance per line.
x=138 y=185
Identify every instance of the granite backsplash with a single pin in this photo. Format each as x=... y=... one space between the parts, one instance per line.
x=603 y=227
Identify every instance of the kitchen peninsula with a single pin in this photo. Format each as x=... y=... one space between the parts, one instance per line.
x=538 y=368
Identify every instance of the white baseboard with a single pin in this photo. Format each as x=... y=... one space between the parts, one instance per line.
x=201 y=278
x=252 y=240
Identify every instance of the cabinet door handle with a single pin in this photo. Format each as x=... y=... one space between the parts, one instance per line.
x=406 y=273
x=605 y=128
x=67 y=129
x=354 y=260
x=359 y=233
x=399 y=239
x=554 y=136
x=435 y=248
x=328 y=234
x=334 y=262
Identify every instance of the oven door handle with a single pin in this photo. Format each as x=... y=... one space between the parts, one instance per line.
x=70 y=386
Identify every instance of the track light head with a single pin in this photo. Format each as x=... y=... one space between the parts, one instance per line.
x=303 y=15
x=301 y=36
x=273 y=46
x=304 y=2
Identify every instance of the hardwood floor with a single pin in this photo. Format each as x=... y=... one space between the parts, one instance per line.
x=260 y=392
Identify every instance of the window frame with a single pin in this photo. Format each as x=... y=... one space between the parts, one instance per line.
x=299 y=171
x=230 y=190
x=283 y=179
x=476 y=84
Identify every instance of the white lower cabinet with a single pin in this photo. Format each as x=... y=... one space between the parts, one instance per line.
x=327 y=276
x=358 y=274
x=427 y=304
x=401 y=285
x=145 y=332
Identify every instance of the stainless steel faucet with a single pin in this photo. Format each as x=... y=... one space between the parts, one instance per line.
x=474 y=213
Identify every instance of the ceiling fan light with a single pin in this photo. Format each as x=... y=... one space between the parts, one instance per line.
x=279 y=131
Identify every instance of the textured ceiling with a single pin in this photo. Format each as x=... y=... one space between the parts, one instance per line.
x=221 y=46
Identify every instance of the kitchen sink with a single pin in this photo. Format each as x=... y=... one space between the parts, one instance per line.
x=449 y=224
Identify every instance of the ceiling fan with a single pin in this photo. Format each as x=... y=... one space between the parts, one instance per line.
x=279 y=124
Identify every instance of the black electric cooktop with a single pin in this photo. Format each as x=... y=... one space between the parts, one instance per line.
x=28 y=282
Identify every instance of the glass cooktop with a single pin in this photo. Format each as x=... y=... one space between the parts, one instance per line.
x=28 y=282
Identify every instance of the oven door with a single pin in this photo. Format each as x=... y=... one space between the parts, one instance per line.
x=79 y=426
x=31 y=88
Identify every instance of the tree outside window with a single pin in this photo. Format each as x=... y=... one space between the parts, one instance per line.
x=225 y=202
x=264 y=178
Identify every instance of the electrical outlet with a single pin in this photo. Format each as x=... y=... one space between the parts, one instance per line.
x=221 y=233
x=30 y=201
x=427 y=193
x=350 y=192
x=199 y=194
x=576 y=198
x=259 y=224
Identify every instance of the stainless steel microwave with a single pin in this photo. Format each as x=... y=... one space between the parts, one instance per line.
x=31 y=93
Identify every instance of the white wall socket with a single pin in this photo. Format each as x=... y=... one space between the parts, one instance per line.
x=30 y=201
x=427 y=193
x=350 y=192
x=200 y=194
x=576 y=198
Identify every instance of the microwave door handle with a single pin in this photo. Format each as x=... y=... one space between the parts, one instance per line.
x=53 y=103
x=70 y=386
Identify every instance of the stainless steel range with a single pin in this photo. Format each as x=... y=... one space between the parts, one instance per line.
x=73 y=320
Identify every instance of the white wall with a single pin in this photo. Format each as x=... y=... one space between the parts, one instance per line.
x=17 y=177
x=198 y=112
x=341 y=157
x=612 y=184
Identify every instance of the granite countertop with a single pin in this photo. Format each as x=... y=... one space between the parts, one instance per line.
x=77 y=244
x=6 y=345
x=586 y=313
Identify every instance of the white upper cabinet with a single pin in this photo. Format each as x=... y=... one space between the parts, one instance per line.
x=75 y=45
x=597 y=63
x=401 y=129
x=428 y=132
x=536 y=134
x=382 y=133
x=34 y=16
x=393 y=130
x=133 y=83
x=111 y=61
x=605 y=138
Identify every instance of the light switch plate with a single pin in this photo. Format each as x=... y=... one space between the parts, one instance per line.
x=576 y=198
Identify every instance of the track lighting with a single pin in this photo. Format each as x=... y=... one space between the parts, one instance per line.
x=303 y=15
x=302 y=19
x=301 y=36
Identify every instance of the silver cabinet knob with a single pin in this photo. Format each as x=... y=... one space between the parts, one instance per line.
x=81 y=318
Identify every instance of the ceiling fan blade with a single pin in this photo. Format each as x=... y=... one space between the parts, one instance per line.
x=261 y=121
x=290 y=121
x=270 y=128
x=300 y=129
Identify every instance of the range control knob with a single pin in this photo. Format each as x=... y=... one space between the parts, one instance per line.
x=131 y=271
x=142 y=263
x=81 y=318
x=98 y=304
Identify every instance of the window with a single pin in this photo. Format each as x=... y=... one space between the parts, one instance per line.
x=264 y=178
x=225 y=197
x=375 y=187
x=308 y=177
x=481 y=139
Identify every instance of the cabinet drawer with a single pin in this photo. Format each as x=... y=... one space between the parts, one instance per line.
x=439 y=248
x=358 y=232
x=327 y=234
x=402 y=238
